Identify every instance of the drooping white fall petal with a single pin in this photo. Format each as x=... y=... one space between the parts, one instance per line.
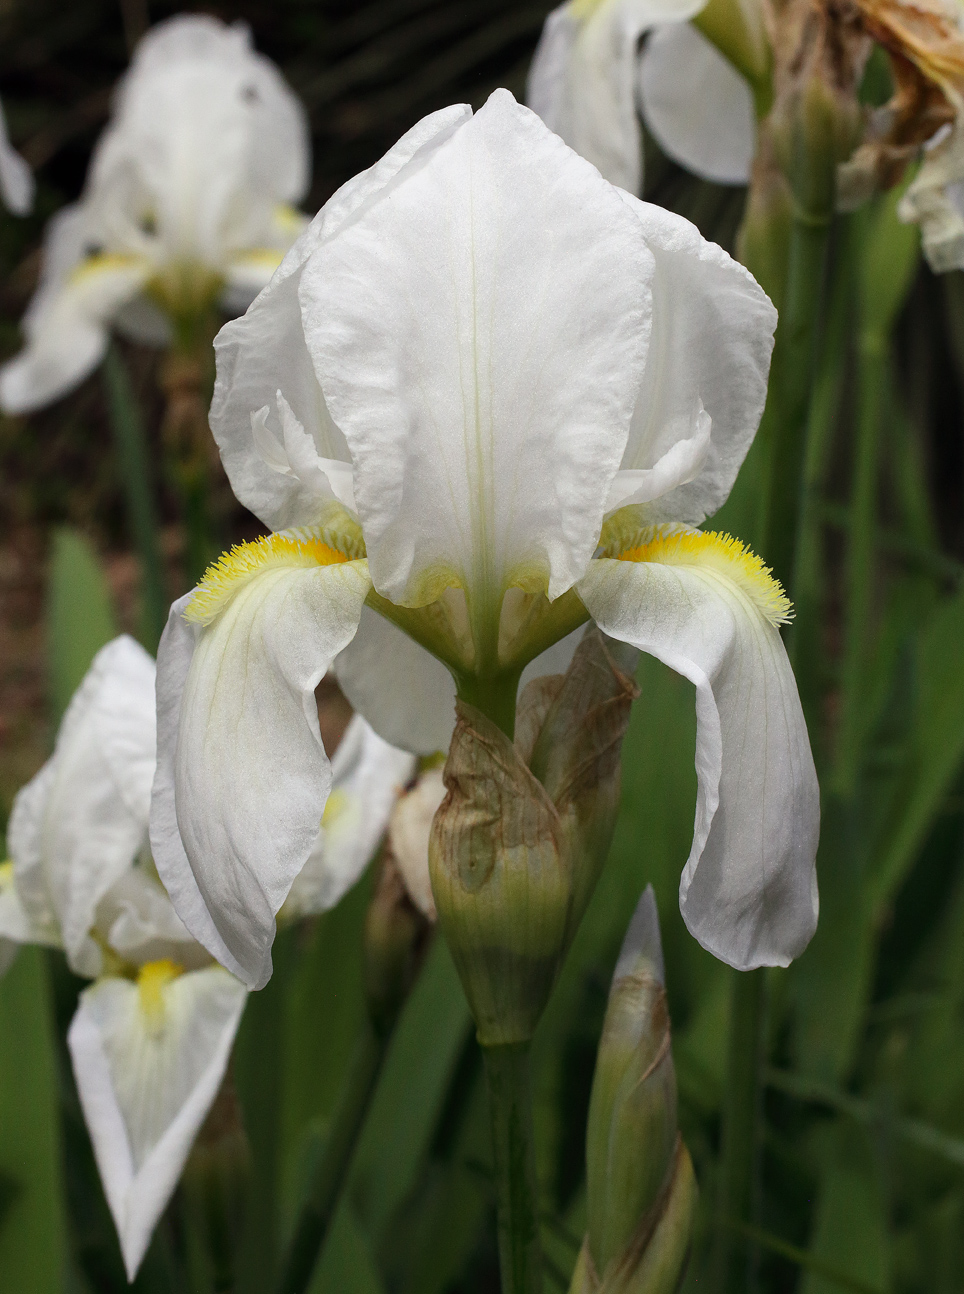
x=748 y=892
x=149 y=1058
x=697 y=105
x=77 y=827
x=484 y=419
x=242 y=775
x=582 y=81
x=16 y=177
x=67 y=322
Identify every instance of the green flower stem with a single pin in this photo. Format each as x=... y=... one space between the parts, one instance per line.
x=130 y=443
x=871 y=385
x=803 y=637
x=732 y=1265
x=788 y=423
x=324 y=1190
x=494 y=696
x=791 y=388
x=187 y=378
x=510 y=1109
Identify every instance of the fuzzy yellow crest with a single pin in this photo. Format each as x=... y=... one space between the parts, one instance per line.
x=582 y=10
x=101 y=263
x=720 y=553
x=152 y=979
x=224 y=578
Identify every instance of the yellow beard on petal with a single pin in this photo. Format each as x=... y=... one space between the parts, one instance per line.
x=152 y=979
x=722 y=554
x=233 y=569
x=584 y=9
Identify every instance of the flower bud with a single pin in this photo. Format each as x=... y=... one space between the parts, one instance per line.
x=520 y=838
x=409 y=829
x=641 y=1188
x=394 y=944
x=820 y=52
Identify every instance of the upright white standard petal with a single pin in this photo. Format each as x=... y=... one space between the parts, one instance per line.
x=206 y=137
x=484 y=416
x=16 y=177
x=149 y=1058
x=705 y=383
x=79 y=825
x=697 y=105
x=266 y=385
x=367 y=776
x=582 y=81
x=706 y=609
x=242 y=776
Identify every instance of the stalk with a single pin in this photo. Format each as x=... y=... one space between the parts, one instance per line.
x=130 y=444
x=186 y=379
x=510 y=1108
x=331 y=1171
x=871 y=383
x=791 y=389
x=788 y=422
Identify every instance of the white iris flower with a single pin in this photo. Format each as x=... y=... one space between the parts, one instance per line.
x=589 y=82
x=187 y=202
x=152 y=1035
x=16 y=180
x=487 y=397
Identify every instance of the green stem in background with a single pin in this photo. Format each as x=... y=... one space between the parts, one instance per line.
x=871 y=382
x=330 y=1173
x=733 y=1265
x=510 y=1109
x=803 y=637
x=186 y=379
x=791 y=389
x=130 y=444
x=788 y=421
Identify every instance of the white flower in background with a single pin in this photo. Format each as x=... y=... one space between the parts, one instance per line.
x=367 y=776
x=409 y=829
x=588 y=82
x=151 y=1038
x=187 y=201
x=16 y=179
x=488 y=395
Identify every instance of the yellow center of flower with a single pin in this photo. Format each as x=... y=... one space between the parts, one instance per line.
x=152 y=979
x=100 y=263
x=583 y=9
x=720 y=553
x=6 y=874
x=223 y=579
x=336 y=804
